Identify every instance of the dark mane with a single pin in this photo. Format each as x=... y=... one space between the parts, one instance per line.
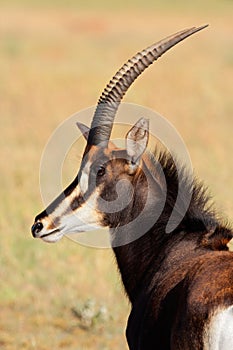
x=195 y=210
x=195 y=204
x=197 y=221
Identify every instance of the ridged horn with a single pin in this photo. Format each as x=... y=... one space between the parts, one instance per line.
x=112 y=95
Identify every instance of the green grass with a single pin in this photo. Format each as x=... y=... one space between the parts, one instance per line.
x=53 y=63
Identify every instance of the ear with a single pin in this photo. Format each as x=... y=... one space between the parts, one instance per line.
x=84 y=129
x=137 y=140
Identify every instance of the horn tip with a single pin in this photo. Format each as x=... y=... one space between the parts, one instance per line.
x=203 y=26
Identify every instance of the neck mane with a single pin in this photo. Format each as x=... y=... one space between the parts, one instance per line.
x=140 y=259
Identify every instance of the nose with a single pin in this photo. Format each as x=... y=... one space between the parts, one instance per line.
x=36 y=228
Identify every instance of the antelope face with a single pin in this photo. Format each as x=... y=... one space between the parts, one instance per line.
x=103 y=186
x=95 y=194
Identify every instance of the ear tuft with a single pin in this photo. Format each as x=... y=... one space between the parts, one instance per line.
x=137 y=140
x=84 y=129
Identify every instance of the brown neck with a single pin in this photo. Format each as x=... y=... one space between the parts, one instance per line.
x=133 y=242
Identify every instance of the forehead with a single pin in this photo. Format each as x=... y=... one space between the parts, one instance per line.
x=94 y=154
x=100 y=156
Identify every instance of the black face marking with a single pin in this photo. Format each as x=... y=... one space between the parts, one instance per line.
x=76 y=202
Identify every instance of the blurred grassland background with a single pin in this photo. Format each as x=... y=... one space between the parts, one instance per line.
x=55 y=58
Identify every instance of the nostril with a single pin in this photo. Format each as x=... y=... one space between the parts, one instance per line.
x=36 y=228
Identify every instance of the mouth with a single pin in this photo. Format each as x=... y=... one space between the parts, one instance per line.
x=50 y=233
x=52 y=236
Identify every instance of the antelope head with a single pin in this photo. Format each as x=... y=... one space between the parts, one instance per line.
x=92 y=199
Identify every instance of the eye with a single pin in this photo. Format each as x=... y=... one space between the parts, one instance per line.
x=101 y=171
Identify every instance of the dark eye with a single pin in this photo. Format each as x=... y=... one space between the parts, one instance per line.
x=101 y=171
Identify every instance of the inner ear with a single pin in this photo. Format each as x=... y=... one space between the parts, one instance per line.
x=84 y=129
x=137 y=140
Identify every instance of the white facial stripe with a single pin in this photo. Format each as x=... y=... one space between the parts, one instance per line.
x=85 y=218
x=65 y=204
x=59 y=211
x=84 y=178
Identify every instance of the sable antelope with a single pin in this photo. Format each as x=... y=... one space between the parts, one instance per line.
x=180 y=284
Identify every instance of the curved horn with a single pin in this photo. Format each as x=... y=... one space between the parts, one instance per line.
x=112 y=95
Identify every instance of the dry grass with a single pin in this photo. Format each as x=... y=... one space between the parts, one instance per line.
x=53 y=62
